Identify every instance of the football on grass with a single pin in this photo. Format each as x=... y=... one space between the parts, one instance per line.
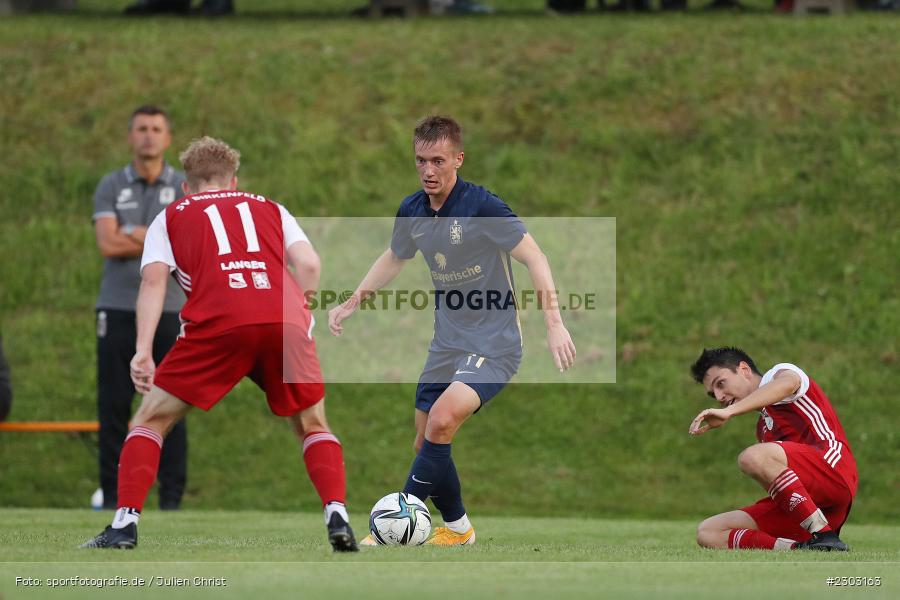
x=400 y=519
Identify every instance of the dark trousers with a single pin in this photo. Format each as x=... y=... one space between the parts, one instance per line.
x=116 y=337
x=567 y=5
x=5 y=385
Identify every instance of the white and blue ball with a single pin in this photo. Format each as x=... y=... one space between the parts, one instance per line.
x=400 y=519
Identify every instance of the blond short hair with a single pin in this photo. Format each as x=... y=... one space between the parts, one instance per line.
x=208 y=160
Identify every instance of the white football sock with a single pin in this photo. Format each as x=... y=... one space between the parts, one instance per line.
x=815 y=522
x=336 y=507
x=460 y=525
x=125 y=516
x=784 y=544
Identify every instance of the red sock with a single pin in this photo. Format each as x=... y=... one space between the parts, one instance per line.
x=325 y=464
x=138 y=464
x=746 y=539
x=791 y=496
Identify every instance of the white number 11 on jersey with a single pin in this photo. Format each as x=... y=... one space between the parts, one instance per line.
x=215 y=219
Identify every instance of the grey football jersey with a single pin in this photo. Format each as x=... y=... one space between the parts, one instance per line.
x=132 y=201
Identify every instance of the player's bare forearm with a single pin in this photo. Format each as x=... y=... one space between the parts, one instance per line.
x=307 y=266
x=383 y=271
x=385 y=268
x=559 y=341
x=529 y=254
x=151 y=297
x=784 y=384
x=542 y=279
x=308 y=279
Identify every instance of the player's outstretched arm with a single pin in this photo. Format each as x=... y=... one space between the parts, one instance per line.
x=385 y=268
x=783 y=385
x=151 y=297
x=559 y=341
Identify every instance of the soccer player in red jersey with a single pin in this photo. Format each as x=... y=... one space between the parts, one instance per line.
x=245 y=316
x=802 y=459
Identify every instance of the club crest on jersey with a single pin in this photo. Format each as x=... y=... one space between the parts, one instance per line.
x=455 y=233
x=261 y=281
x=770 y=422
x=167 y=195
x=440 y=260
x=236 y=281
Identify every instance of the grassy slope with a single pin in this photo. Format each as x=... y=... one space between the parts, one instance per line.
x=562 y=557
x=749 y=162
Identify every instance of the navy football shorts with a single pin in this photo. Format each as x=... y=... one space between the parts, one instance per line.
x=487 y=376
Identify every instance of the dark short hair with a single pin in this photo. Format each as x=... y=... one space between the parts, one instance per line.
x=151 y=110
x=436 y=128
x=728 y=357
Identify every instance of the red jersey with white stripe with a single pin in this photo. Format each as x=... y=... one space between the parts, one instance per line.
x=227 y=251
x=807 y=417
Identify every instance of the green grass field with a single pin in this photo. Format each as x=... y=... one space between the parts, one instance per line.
x=285 y=555
x=748 y=161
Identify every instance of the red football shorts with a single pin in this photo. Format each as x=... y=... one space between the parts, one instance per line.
x=280 y=359
x=827 y=488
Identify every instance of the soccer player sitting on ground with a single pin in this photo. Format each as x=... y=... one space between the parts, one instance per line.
x=245 y=316
x=466 y=235
x=802 y=459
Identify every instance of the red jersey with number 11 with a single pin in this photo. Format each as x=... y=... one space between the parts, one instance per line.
x=227 y=250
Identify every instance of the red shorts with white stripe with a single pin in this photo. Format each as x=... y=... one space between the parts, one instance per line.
x=280 y=359
x=828 y=490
